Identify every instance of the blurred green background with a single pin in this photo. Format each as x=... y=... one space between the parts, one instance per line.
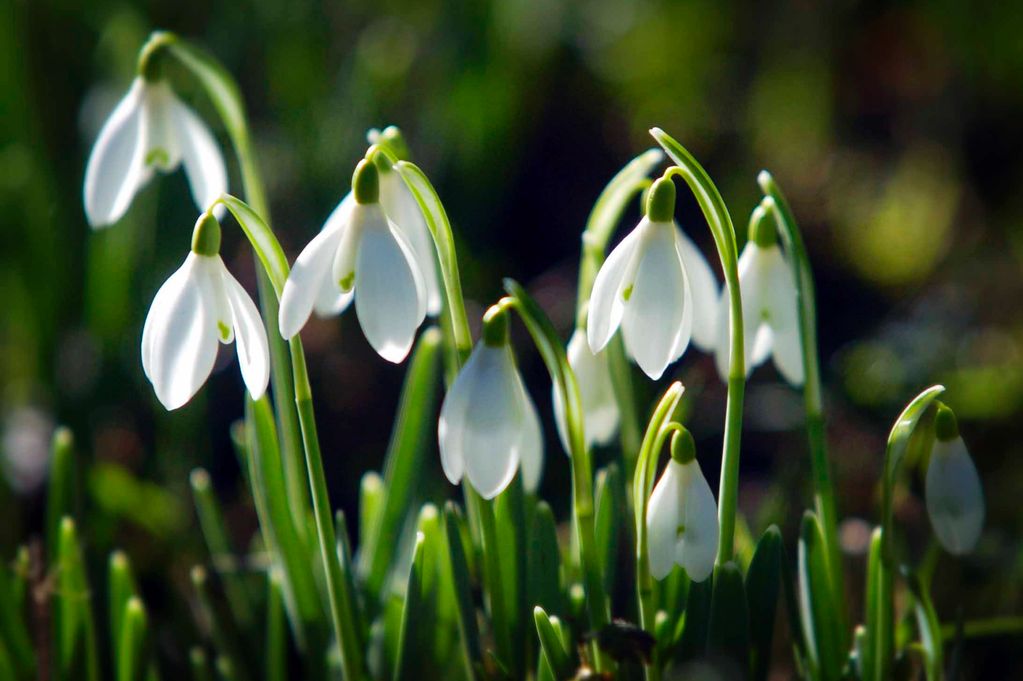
x=895 y=128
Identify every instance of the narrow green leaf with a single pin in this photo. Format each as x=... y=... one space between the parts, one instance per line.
x=467 y=628
x=873 y=609
x=607 y=526
x=211 y=521
x=729 y=630
x=414 y=618
x=816 y=603
x=276 y=658
x=344 y=554
x=411 y=440
x=7 y=670
x=763 y=584
x=262 y=240
x=13 y=630
x=554 y=650
x=199 y=665
x=372 y=493
x=929 y=627
x=216 y=625
x=130 y=659
x=510 y=516
x=121 y=587
x=76 y=633
x=61 y=490
x=693 y=641
x=545 y=561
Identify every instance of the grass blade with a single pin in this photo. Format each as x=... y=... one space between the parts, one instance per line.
x=816 y=603
x=763 y=583
x=552 y=645
x=728 y=630
x=130 y=659
x=467 y=629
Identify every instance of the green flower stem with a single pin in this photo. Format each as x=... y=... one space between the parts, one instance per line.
x=342 y=608
x=496 y=593
x=824 y=491
x=720 y=222
x=600 y=227
x=993 y=626
x=226 y=97
x=553 y=353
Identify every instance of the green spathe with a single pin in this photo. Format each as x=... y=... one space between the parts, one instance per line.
x=206 y=235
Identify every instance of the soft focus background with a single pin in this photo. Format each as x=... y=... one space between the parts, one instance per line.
x=895 y=128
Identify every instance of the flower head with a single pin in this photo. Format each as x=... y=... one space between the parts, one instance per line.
x=200 y=306
x=488 y=423
x=600 y=409
x=657 y=287
x=770 y=316
x=955 y=499
x=682 y=517
x=149 y=130
x=360 y=253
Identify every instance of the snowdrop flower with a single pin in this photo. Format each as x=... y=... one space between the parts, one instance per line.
x=657 y=287
x=600 y=409
x=360 y=254
x=149 y=130
x=955 y=500
x=488 y=423
x=682 y=517
x=200 y=305
x=770 y=317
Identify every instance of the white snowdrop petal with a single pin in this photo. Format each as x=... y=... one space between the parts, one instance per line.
x=606 y=305
x=116 y=168
x=250 y=338
x=698 y=546
x=200 y=155
x=756 y=340
x=171 y=291
x=390 y=300
x=955 y=499
x=403 y=211
x=662 y=521
x=184 y=339
x=600 y=409
x=451 y=426
x=783 y=317
x=330 y=302
x=311 y=275
x=704 y=287
x=652 y=323
x=531 y=444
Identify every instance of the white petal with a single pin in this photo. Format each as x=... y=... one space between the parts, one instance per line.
x=600 y=408
x=662 y=521
x=783 y=316
x=757 y=336
x=481 y=422
x=204 y=164
x=606 y=305
x=403 y=211
x=116 y=168
x=654 y=324
x=698 y=545
x=250 y=337
x=704 y=287
x=180 y=338
x=389 y=296
x=531 y=445
x=311 y=274
x=955 y=499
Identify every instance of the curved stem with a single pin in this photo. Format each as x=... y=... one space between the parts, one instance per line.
x=824 y=492
x=720 y=222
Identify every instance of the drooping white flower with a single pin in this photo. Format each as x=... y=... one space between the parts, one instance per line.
x=645 y=287
x=150 y=130
x=488 y=424
x=682 y=517
x=199 y=307
x=600 y=409
x=359 y=254
x=955 y=499
x=770 y=315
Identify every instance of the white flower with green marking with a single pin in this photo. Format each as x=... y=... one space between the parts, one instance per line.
x=150 y=130
x=600 y=408
x=657 y=287
x=955 y=499
x=770 y=315
x=360 y=254
x=198 y=308
x=682 y=516
x=489 y=426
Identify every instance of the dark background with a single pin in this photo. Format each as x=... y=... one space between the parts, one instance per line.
x=894 y=128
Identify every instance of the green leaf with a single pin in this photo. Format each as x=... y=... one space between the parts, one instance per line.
x=61 y=491
x=763 y=584
x=611 y=203
x=275 y=655
x=416 y=617
x=874 y=610
x=467 y=628
x=558 y=658
x=121 y=588
x=413 y=436
x=545 y=561
x=817 y=603
x=262 y=239
x=344 y=556
x=929 y=627
x=510 y=517
x=76 y=634
x=729 y=629
x=696 y=625
x=13 y=630
x=217 y=626
x=130 y=659
x=199 y=665
x=607 y=526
